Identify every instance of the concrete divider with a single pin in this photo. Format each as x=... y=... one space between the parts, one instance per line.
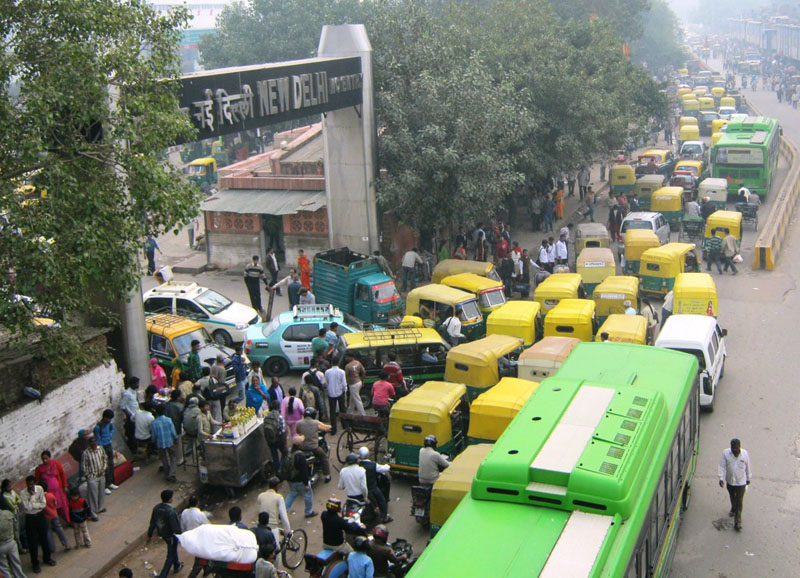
x=773 y=233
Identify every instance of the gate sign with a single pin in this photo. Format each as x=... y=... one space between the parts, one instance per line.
x=228 y=100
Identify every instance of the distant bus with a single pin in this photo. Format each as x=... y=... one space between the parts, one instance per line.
x=591 y=477
x=747 y=154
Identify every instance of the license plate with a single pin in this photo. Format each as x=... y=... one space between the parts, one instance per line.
x=419 y=512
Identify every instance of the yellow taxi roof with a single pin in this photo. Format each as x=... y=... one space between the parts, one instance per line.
x=170 y=325
x=667 y=252
x=514 y=312
x=625 y=328
x=562 y=284
x=625 y=284
x=455 y=482
x=493 y=410
x=571 y=308
x=471 y=282
x=440 y=293
x=429 y=403
x=553 y=347
x=596 y=257
x=399 y=336
x=485 y=350
x=696 y=284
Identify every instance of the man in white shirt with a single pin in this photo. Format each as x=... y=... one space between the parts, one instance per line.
x=410 y=260
x=353 y=479
x=336 y=384
x=273 y=504
x=734 y=471
x=544 y=259
x=142 y=423
x=452 y=327
x=551 y=252
x=561 y=250
x=193 y=516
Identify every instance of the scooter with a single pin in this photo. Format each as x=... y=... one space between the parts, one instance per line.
x=421 y=504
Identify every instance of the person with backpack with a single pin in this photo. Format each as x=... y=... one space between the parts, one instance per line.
x=317 y=387
x=309 y=428
x=450 y=330
x=310 y=394
x=275 y=434
x=295 y=470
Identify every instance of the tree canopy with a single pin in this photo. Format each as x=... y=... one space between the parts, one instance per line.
x=661 y=44
x=89 y=106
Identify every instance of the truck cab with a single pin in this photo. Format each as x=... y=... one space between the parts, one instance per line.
x=376 y=299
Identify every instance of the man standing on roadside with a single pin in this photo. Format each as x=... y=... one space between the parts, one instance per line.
x=164 y=520
x=36 y=525
x=355 y=374
x=734 y=471
x=104 y=434
x=253 y=274
x=336 y=384
x=164 y=436
x=93 y=465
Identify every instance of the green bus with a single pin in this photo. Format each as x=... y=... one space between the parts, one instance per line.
x=591 y=477
x=746 y=155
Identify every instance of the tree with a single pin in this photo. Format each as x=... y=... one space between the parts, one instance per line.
x=258 y=31
x=623 y=15
x=661 y=44
x=89 y=107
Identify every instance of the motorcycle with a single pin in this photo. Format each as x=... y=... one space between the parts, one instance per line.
x=421 y=504
x=313 y=461
x=405 y=555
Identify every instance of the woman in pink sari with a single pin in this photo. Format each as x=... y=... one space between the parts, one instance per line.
x=52 y=472
x=158 y=376
x=292 y=411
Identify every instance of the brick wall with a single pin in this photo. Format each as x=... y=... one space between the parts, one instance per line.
x=54 y=423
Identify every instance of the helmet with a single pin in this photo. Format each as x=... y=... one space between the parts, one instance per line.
x=431 y=441
x=310 y=412
x=363 y=452
x=351 y=459
x=334 y=505
x=381 y=532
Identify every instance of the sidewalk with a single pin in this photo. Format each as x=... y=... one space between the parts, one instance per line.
x=121 y=529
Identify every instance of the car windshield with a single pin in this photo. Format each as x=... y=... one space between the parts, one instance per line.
x=468 y=311
x=268 y=328
x=636 y=225
x=493 y=297
x=692 y=149
x=213 y=301
x=384 y=292
x=183 y=343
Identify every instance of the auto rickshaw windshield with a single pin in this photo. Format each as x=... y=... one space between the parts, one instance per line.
x=468 y=311
x=492 y=297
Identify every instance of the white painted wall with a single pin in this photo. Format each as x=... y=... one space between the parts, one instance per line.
x=54 y=423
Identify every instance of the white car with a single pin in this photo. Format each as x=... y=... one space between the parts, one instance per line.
x=725 y=112
x=227 y=321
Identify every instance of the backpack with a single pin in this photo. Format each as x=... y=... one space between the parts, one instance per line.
x=272 y=428
x=443 y=327
x=288 y=469
x=307 y=397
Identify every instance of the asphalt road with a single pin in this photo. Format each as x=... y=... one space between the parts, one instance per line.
x=757 y=402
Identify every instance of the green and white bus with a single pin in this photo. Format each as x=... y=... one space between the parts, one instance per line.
x=590 y=479
x=747 y=154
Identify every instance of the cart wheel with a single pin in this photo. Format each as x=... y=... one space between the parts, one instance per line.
x=294 y=549
x=345 y=445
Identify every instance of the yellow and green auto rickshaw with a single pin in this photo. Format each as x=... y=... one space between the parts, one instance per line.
x=707 y=103
x=480 y=365
x=695 y=294
x=623 y=328
x=646 y=185
x=493 y=410
x=719 y=223
x=715 y=190
x=660 y=266
x=717 y=124
x=694 y=166
x=669 y=202
x=622 y=179
x=610 y=296
x=571 y=318
x=490 y=293
x=203 y=173
x=727 y=101
x=688 y=132
x=637 y=241
x=682 y=91
x=717 y=92
x=435 y=408
x=687 y=120
x=715 y=138
x=590 y=235
x=518 y=319
x=545 y=357
x=454 y=483
x=557 y=287
x=688 y=96
x=455 y=266
x=691 y=107
x=595 y=264
x=436 y=303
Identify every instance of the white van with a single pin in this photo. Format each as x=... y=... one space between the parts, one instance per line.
x=701 y=336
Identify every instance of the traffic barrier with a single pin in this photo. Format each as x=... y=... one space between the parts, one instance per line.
x=773 y=234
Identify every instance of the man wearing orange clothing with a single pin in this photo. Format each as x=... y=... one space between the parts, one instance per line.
x=304 y=266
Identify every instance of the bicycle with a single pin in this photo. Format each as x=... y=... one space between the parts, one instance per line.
x=293 y=547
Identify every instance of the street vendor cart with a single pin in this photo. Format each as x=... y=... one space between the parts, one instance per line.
x=233 y=458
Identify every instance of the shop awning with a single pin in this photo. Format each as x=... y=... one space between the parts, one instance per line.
x=264 y=202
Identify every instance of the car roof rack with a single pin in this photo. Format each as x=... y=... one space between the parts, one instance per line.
x=314 y=311
x=392 y=334
x=166 y=319
x=181 y=287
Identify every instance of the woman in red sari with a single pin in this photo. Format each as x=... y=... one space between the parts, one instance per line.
x=158 y=376
x=304 y=266
x=52 y=472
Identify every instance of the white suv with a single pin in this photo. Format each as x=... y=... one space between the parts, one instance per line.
x=644 y=220
x=227 y=321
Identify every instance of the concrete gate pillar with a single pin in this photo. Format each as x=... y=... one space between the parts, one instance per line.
x=350 y=149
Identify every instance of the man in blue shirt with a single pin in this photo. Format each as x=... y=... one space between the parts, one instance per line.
x=239 y=371
x=359 y=564
x=104 y=434
x=164 y=436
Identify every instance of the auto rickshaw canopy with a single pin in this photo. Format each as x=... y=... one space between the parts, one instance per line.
x=475 y=364
x=591 y=235
x=424 y=411
x=727 y=101
x=622 y=175
x=624 y=329
x=557 y=287
x=455 y=266
x=690 y=165
x=665 y=261
x=637 y=241
x=493 y=410
x=571 y=318
x=553 y=349
x=719 y=220
x=515 y=318
x=666 y=199
x=718 y=91
x=687 y=120
x=695 y=293
x=455 y=482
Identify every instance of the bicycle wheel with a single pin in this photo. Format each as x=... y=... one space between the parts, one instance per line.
x=295 y=549
x=345 y=445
